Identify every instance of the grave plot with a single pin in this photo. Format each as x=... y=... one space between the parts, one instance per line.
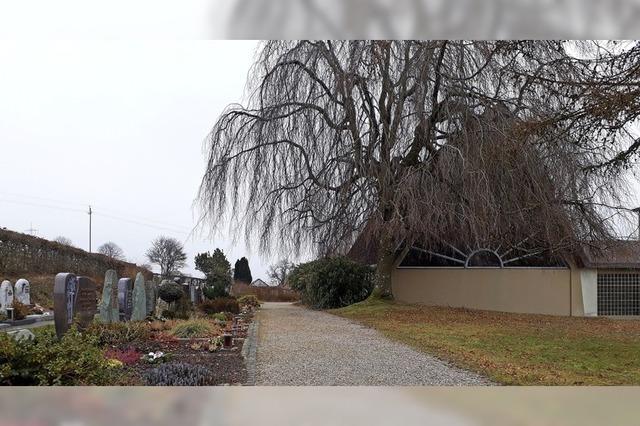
x=139 y=333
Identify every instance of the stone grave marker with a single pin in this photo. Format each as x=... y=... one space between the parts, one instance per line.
x=22 y=291
x=125 y=298
x=139 y=310
x=86 y=302
x=193 y=294
x=150 y=296
x=6 y=296
x=109 y=311
x=65 y=292
x=73 y=298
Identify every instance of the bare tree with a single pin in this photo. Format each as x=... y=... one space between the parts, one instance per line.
x=459 y=143
x=168 y=253
x=279 y=271
x=111 y=250
x=64 y=241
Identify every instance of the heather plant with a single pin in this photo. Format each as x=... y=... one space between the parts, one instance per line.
x=178 y=374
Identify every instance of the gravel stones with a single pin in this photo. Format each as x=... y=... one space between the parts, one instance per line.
x=298 y=346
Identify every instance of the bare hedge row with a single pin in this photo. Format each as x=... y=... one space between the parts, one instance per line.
x=265 y=294
x=22 y=254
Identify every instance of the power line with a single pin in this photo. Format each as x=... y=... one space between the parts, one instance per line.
x=102 y=208
x=93 y=212
x=27 y=203
x=140 y=223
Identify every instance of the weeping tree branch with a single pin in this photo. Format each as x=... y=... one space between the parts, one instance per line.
x=464 y=142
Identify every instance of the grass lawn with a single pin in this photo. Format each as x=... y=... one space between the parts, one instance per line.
x=514 y=349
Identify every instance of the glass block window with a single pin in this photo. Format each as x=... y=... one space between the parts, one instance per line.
x=619 y=294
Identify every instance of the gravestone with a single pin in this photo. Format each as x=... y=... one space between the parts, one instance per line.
x=193 y=294
x=22 y=291
x=6 y=296
x=109 y=312
x=139 y=310
x=73 y=298
x=65 y=292
x=125 y=298
x=86 y=302
x=150 y=296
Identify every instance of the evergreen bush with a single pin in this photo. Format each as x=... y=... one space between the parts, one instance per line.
x=332 y=282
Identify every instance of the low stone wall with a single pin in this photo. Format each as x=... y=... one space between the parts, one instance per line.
x=521 y=290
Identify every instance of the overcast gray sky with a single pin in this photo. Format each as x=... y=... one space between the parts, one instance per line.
x=120 y=126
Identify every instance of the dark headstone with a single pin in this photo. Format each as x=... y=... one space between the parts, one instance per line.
x=125 y=298
x=65 y=292
x=86 y=302
x=73 y=298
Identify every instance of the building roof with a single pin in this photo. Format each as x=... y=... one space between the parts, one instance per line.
x=259 y=283
x=621 y=254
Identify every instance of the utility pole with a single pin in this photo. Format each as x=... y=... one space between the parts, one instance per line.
x=90 y=228
x=31 y=230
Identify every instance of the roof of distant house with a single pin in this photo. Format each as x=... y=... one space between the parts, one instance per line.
x=259 y=283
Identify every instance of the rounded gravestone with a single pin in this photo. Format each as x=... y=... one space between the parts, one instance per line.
x=22 y=292
x=6 y=296
x=65 y=292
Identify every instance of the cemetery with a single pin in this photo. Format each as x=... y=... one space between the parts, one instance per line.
x=135 y=332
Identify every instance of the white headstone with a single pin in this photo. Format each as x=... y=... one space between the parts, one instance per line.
x=6 y=296
x=22 y=291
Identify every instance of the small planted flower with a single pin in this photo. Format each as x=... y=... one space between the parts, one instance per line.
x=155 y=357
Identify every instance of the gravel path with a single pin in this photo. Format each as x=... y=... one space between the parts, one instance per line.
x=297 y=346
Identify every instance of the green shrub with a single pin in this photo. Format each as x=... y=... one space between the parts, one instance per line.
x=217 y=285
x=249 y=300
x=119 y=333
x=75 y=359
x=170 y=292
x=332 y=282
x=221 y=304
x=193 y=328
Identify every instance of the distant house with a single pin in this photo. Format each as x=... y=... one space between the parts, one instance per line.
x=259 y=283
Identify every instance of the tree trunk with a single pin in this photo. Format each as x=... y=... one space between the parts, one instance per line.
x=384 y=269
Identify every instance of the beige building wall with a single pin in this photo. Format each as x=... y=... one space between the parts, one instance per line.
x=523 y=290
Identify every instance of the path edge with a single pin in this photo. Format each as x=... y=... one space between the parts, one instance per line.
x=249 y=350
